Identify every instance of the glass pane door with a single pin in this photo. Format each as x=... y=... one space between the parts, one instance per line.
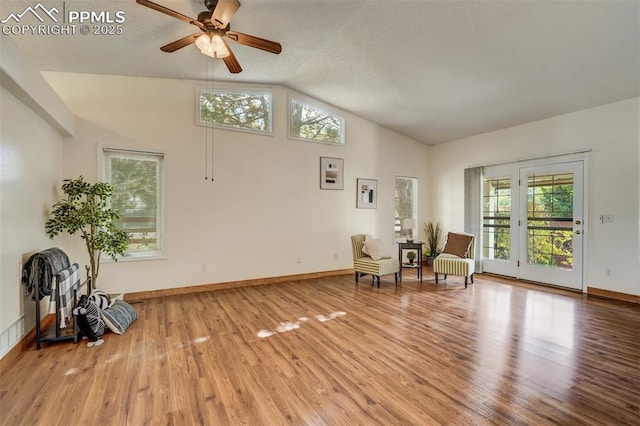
x=498 y=240
x=551 y=224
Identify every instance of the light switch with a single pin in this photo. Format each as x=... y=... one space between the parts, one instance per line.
x=606 y=218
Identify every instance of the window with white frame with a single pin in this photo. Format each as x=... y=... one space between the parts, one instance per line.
x=496 y=218
x=138 y=194
x=406 y=207
x=246 y=110
x=309 y=122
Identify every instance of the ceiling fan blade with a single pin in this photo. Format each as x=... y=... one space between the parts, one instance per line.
x=179 y=44
x=169 y=12
x=231 y=62
x=253 y=41
x=224 y=11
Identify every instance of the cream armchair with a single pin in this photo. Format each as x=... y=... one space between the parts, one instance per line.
x=376 y=263
x=456 y=257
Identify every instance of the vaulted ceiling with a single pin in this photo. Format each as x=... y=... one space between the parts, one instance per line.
x=435 y=71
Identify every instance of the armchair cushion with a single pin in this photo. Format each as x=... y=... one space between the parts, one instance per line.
x=453 y=265
x=457 y=244
x=376 y=267
x=375 y=248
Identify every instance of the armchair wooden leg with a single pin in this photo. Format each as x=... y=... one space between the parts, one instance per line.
x=396 y=278
x=436 y=278
x=378 y=279
x=465 y=282
x=471 y=278
x=357 y=275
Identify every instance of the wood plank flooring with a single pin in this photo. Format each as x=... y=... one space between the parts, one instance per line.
x=496 y=353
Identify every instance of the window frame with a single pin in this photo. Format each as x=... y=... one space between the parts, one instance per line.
x=228 y=90
x=161 y=222
x=414 y=210
x=316 y=107
x=490 y=229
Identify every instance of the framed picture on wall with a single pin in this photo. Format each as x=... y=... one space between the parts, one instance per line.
x=367 y=194
x=331 y=173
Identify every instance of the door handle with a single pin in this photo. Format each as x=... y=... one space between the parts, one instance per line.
x=578 y=231
x=578 y=222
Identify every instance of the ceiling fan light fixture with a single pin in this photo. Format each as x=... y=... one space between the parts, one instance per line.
x=219 y=47
x=212 y=45
x=214 y=23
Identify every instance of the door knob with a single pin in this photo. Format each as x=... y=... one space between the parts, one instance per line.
x=578 y=232
x=578 y=222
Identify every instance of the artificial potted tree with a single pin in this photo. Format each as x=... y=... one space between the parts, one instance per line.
x=411 y=256
x=432 y=232
x=85 y=210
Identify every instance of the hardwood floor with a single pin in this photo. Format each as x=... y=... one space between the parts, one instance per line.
x=496 y=353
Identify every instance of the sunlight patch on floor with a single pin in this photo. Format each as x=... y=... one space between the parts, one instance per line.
x=333 y=315
x=202 y=339
x=71 y=371
x=283 y=327
x=114 y=358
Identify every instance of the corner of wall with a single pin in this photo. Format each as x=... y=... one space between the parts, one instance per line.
x=20 y=78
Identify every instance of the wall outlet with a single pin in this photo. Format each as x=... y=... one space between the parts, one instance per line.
x=608 y=272
x=203 y=268
x=335 y=256
x=299 y=260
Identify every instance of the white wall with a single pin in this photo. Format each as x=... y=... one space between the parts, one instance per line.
x=32 y=121
x=263 y=211
x=30 y=172
x=612 y=133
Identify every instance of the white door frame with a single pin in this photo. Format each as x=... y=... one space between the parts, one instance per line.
x=512 y=170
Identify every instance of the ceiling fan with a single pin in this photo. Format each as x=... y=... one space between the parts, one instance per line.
x=214 y=27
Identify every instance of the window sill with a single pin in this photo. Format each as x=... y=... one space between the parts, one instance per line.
x=136 y=257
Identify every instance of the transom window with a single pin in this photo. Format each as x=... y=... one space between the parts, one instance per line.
x=309 y=122
x=236 y=109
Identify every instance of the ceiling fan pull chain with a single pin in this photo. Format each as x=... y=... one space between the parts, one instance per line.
x=206 y=129
x=206 y=155
x=212 y=147
x=210 y=126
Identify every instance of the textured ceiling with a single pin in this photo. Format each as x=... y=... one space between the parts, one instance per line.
x=432 y=70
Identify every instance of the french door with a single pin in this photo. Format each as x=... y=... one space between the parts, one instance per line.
x=533 y=223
